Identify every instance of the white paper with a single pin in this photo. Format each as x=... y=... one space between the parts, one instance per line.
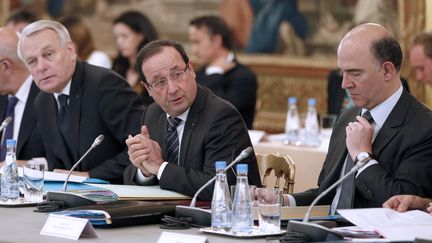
x=55 y=176
x=391 y=224
x=168 y=237
x=132 y=192
x=67 y=227
x=256 y=136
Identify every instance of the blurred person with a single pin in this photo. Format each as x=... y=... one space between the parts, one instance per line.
x=221 y=72
x=402 y=203
x=238 y=16
x=132 y=30
x=84 y=44
x=186 y=130
x=421 y=57
x=394 y=133
x=20 y=19
x=17 y=95
x=78 y=102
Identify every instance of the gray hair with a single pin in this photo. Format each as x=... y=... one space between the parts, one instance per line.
x=40 y=25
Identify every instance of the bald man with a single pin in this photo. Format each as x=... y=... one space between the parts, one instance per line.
x=421 y=57
x=395 y=137
x=17 y=87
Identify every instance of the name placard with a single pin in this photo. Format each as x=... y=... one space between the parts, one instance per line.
x=168 y=237
x=68 y=227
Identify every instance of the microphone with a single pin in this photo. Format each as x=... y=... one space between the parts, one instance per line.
x=69 y=199
x=202 y=216
x=316 y=232
x=5 y=123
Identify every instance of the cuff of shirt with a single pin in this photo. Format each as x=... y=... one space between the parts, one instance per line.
x=292 y=201
x=369 y=163
x=141 y=179
x=214 y=70
x=161 y=169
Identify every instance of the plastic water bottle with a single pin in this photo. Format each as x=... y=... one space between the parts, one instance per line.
x=311 y=136
x=9 y=179
x=292 y=124
x=243 y=215
x=221 y=203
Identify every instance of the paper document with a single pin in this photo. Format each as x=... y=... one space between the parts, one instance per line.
x=128 y=192
x=55 y=176
x=391 y=224
x=256 y=136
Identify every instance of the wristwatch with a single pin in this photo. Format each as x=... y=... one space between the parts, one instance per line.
x=363 y=156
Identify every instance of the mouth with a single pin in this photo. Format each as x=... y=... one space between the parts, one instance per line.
x=176 y=100
x=46 y=78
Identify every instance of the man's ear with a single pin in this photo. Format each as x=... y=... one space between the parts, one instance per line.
x=389 y=70
x=146 y=86
x=6 y=66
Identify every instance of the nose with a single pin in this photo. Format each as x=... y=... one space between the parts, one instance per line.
x=41 y=65
x=346 y=82
x=172 y=86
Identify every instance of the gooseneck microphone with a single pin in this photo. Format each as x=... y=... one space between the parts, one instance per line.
x=5 y=123
x=63 y=199
x=245 y=153
x=201 y=216
x=96 y=143
x=316 y=232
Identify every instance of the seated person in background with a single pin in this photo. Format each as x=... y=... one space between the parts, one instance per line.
x=394 y=132
x=18 y=92
x=84 y=44
x=20 y=19
x=132 y=30
x=186 y=130
x=339 y=98
x=421 y=57
x=78 y=103
x=402 y=203
x=221 y=72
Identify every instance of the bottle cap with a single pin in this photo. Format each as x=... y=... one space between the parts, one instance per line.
x=311 y=101
x=10 y=142
x=292 y=100
x=242 y=168
x=220 y=164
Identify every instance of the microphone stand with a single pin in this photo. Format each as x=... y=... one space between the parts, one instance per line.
x=202 y=216
x=69 y=199
x=316 y=232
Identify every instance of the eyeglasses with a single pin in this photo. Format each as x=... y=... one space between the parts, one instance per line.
x=174 y=77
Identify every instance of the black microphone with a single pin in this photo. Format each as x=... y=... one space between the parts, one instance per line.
x=316 y=232
x=70 y=199
x=202 y=216
x=5 y=123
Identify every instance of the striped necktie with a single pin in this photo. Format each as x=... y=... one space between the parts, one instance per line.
x=172 y=140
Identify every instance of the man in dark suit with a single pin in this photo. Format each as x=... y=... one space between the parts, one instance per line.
x=17 y=84
x=186 y=130
x=79 y=102
x=421 y=57
x=222 y=73
x=394 y=136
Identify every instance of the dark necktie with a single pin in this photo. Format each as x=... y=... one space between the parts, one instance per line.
x=8 y=132
x=346 y=198
x=64 y=120
x=172 y=140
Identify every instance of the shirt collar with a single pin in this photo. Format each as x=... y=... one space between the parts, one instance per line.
x=66 y=90
x=382 y=111
x=24 y=90
x=183 y=116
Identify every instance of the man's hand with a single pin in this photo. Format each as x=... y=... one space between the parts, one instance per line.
x=78 y=173
x=144 y=153
x=359 y=137
x=402 y=203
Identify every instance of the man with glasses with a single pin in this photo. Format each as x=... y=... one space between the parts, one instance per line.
x=78 y=103
x=186 y=130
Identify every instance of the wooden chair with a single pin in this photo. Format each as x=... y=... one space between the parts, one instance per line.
x=282 y=165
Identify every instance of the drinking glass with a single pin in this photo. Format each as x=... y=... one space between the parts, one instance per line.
x=33 y=175
x=269 y=208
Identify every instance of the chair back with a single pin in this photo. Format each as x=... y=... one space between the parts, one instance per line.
x=283 y=167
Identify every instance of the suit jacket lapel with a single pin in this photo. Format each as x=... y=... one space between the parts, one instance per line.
x=75 y=107
x=393 y=121
x=3 y=107
x=192 y=119
x=28 y=121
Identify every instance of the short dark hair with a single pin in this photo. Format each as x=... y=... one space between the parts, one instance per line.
x=424 y=39
x=387 y=49
x=22 y=15
x=215 y=26
x=155 y=47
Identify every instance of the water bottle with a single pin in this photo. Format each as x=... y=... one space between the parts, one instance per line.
x=221 y=203
x=311 y=129
x=243 y=215
x=292 y=124
x=9 y=179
